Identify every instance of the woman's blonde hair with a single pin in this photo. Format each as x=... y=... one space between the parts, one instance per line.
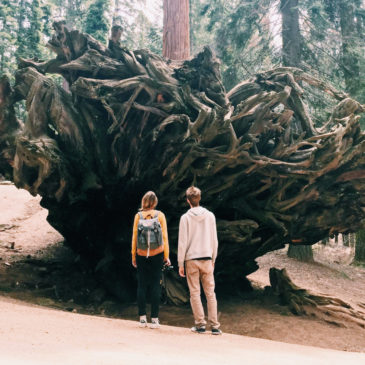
x=149 y=201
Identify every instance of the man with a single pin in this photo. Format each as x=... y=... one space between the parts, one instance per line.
x=198 y=244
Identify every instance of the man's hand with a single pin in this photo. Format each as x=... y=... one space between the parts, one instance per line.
x=182 y=271
x=134 y=262
x=167 y=262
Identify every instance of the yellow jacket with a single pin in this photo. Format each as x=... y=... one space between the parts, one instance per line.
x=163 y=248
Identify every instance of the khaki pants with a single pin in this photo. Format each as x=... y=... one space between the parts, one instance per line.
x=202 y=271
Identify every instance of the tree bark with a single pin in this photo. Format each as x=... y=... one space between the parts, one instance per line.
x=360 y=246
x=116 y=14
x=134 y=122
x=290 y=33
x=176 y=37
x=300 y=252
x=291 y=50
x=350 y=61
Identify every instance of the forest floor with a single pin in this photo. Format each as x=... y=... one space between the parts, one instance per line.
x=36 y=267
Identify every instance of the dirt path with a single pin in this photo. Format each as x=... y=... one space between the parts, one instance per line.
x=36 y=267
x=33 y=335
x=23 y=223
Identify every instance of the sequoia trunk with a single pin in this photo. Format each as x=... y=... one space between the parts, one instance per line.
x=176 y=37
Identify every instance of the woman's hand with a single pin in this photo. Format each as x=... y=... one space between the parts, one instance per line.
x=134 y=262
x=167 y=262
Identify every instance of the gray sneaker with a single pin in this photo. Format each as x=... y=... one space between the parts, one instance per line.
x=197 y=329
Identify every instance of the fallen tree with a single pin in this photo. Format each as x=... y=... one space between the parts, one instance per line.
x=132 y=121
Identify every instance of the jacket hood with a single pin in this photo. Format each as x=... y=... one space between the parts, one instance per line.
x=197 y=213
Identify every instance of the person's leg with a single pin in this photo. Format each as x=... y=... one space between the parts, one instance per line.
x=142 y=278
x=207 y=278
x=155 y=285
x=192 y=277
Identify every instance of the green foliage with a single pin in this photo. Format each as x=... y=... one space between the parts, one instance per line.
x=32 y=19
x=72 y=11
x=244 y=34
x=333 y=32
x=7 y=36
x=239 y=32
x=23 y=26
x=141 y=29
x=99 y=19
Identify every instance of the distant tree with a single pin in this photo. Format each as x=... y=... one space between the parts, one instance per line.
x=35 y=29
x=350 y=60
x=360 y=246
x=291 y=56
x=72 y=11
x=333 y=44
x=117 y=19
x=290 y=32
x=239 y=32
x=75 y=12
x=99 y=20
x=140 y=29
x=176 y=30
x=33 y=21
x=301 y=252
x=7 y=36
x=21 y=42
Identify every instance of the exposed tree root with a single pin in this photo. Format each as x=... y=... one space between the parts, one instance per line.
x=132 y=121
x=303 y=302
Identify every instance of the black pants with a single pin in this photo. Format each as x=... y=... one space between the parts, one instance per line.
x=149 y=276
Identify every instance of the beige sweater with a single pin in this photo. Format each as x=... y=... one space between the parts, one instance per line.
x=197 y=235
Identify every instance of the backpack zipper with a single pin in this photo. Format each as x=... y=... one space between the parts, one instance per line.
x=148 y=243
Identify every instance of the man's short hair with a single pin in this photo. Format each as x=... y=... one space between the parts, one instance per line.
x=193 y=194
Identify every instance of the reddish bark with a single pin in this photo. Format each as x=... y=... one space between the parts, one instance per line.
x=176 y=38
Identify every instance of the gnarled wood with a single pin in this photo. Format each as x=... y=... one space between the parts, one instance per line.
x=304 y=302
x=133 y=122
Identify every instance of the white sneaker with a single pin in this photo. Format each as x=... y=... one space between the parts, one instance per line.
x=155 y=323
x=142 y=321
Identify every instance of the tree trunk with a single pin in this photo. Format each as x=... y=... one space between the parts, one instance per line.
x=346 y=240
x=290 y=33
x=176 y=38
x=300 y=252
x=360 y=246
x=116 y=13
x=291 y=51
x=134 y=122
x=350 y=62
x=324 y=241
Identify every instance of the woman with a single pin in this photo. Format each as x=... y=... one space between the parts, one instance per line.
x=150 y=249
